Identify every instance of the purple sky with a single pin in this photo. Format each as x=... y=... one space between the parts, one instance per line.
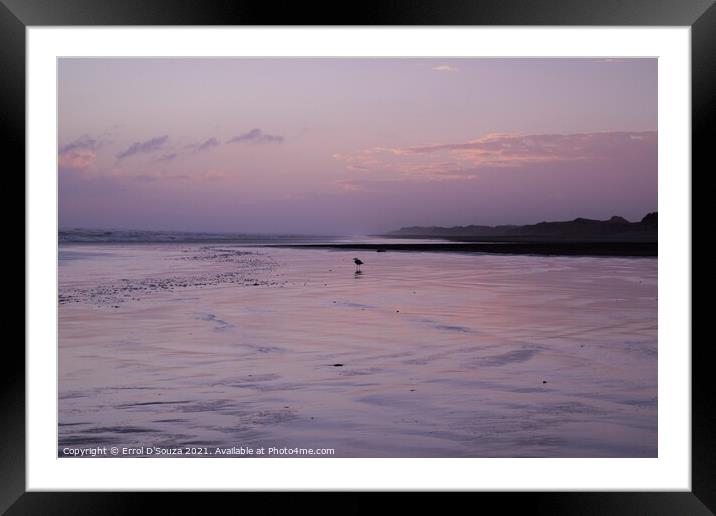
x=351 y=146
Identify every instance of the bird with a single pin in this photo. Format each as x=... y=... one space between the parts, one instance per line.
x=358 y=263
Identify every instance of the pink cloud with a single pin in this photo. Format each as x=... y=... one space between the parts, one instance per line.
x=497 y=148
x=77 y=159
x=79 y=154
x=453 y=160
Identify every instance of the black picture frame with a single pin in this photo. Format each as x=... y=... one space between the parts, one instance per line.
x=700 y=15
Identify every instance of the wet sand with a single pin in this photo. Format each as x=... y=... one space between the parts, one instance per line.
x=506 y=247
x=422 y=355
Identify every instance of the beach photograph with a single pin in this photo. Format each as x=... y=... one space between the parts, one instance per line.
x=286 y=257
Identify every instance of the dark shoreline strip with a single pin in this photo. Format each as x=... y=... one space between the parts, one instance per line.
x=625 y=249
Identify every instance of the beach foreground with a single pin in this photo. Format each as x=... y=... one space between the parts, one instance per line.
x=422 y=355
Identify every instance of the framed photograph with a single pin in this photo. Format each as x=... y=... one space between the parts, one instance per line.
x=428 y=247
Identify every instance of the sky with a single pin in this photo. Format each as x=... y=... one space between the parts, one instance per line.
x=353 y=145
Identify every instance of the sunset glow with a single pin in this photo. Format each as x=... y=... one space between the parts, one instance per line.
x=350 y=146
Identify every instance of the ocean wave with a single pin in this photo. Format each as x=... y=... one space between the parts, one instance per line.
x=121 y=236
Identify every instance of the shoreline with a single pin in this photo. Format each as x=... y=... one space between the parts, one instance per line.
x=535 y=248
x=615 y=249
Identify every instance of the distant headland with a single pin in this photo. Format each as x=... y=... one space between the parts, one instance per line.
x=615 y=229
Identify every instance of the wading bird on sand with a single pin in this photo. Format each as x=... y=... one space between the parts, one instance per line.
x=358 y=263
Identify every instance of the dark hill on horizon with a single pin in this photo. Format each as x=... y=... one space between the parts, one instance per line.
x=615 y=229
